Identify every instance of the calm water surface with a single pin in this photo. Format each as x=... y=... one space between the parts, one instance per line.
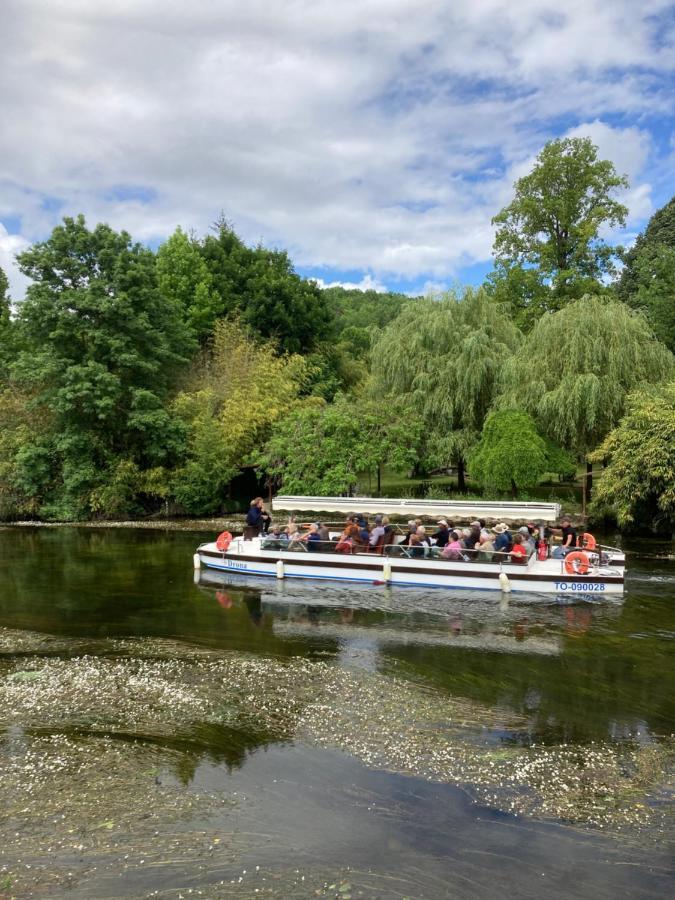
x=298 y=814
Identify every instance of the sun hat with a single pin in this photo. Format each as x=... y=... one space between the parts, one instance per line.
x=475 y=522
x=524 y=529
x=442 y=522
x=501 y=528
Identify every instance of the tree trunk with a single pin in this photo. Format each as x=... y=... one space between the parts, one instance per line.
x=514 y=489
x=461 y=481
x=589 y=481
x=379 y=479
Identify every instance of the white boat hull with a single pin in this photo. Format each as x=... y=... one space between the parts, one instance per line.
x=542 y=577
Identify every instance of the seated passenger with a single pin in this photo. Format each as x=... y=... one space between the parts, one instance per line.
x=313 y=538
x=486 y=548
x=276 y=539
x=503 y=538
x=569 y=540
x=419 y=542
x=528 y=540
x=519 y=552
x=442 y=536
x=453 y=549
x=323 y=532
x=377 y=534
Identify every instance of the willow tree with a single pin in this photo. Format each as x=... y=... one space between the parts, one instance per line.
x=575 y=368
x=445 y=357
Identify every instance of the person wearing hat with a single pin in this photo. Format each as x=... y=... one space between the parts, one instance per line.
x=503 y=540
x=442 y=536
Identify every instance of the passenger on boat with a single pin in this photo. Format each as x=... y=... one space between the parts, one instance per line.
x=323 y=532
x=265 y=520
x=528 y=540
x=503 y=539
x=412 y=529
x=442 y=536
x=348 y=541
x=569 y=540
x=474 y=537
x=453 y=550
x=519 y=552
x=313 y=538
x=276 y=539
x=254 y=519
x=378 y=532
x=486 y=547
x=416 y=543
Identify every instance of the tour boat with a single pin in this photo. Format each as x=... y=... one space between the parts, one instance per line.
x=587 y=575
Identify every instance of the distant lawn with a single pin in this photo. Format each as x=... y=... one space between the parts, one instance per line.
x=394 y=484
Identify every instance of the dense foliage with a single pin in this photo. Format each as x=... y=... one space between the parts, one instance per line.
x=647 y=282
x=133 y=380
x=638 y=484
x=575 y=368
x=444 y=358
x=511 y=454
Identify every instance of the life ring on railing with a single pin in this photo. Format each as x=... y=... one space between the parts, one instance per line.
x=577 y=563
x=223 y=540
x=587 y=541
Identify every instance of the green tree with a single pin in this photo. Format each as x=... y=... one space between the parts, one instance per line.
x=647 y=282
x=638 y=484
x=575 y=368
x=261 y=286
x=322 y=448
x=5 y=325
x=102 y=347
x=511 y=454
x=553 y=226
x=237 y=390
x=184 y=279
x=444 y=358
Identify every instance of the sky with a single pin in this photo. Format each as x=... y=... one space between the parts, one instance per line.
x=372 y=139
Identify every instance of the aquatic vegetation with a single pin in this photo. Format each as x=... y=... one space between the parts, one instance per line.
x=162 y=688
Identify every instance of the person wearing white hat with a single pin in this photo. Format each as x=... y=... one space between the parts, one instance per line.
x=503 y=540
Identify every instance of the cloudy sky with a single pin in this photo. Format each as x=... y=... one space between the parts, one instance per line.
x=374 y=139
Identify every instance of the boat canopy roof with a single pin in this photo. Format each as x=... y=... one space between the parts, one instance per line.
x=497 y=509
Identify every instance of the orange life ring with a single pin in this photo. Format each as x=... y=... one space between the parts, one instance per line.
x=223 y=540
x=587 y=541
x=577 y=563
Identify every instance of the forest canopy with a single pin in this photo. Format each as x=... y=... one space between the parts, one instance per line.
x=134 y=380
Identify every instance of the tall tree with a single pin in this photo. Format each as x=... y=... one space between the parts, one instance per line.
x=444 y=358
x=102 y=346
x=575 y=368
x=553 y=226
x=261 y=286
x=647 y=281
x=638 y=484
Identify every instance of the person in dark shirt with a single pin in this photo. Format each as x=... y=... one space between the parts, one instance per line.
x=442 y=536
x=569 y=539
x=254 y=519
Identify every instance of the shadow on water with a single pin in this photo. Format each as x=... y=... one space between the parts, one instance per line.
x=559 y=675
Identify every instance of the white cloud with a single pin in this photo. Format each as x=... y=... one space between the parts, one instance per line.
x=373 y=135
x=10 y=245
x=367 y=283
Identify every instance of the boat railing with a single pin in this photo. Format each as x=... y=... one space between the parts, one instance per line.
x=389 y=551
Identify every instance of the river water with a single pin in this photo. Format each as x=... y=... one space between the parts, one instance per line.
x=170 y=735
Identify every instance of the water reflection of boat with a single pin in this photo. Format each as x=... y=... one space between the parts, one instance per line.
x=593 y=576
x=408 y=618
